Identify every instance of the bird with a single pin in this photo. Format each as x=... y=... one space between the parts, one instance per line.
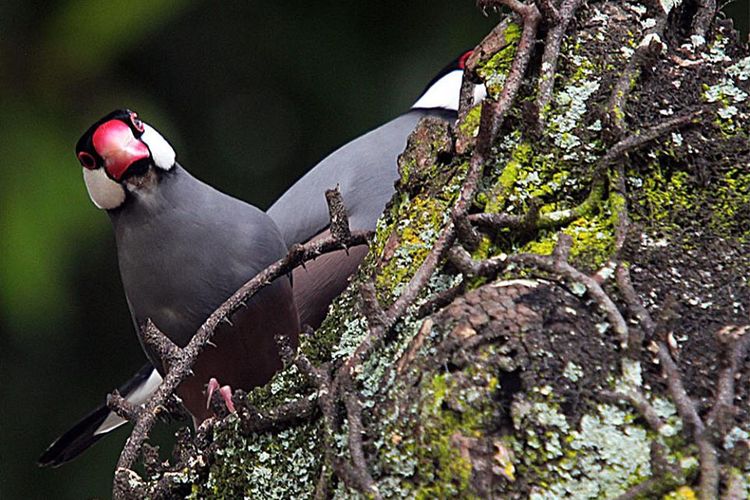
x=183 y=248
x=365 y=171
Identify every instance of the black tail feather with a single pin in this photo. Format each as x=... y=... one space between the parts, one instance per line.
x=76 y=440
x=82 y=435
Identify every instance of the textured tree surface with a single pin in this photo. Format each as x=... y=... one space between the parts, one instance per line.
x=584 y=338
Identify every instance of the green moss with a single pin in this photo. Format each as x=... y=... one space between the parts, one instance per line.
x=732 y=196
x=280 y=466
x=497 y=196
x=494 y=71
x=665 y=194
x=416 y=232
x=469 y=126
x=428 y=455
x=682 y=493
x=598 y=459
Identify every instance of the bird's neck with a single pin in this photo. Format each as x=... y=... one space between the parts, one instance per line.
x=157 y=192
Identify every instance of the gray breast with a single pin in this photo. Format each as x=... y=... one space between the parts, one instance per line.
x=184 y=248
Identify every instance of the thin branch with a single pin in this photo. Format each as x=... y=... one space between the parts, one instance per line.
x=640 y=403
x=356 y=429
x=121 y=406
x=337 y=214
x=552 y=54
x=370 y=306
x=530 y=16
x=488 y=268
x=703 y=18
x=563 y=269
x=640 y=138
x=650 y=44
x=181 y=368
x=685 y=405
x=168 y=352
x=555 y=264
x=688 y=411
x=737 y=343
x=440 y=300
x=253 y=421
x=549 y=12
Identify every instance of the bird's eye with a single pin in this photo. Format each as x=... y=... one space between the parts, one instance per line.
x=137 y=123
x=87 y=160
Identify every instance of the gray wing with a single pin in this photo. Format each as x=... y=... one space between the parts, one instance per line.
x=365 y=170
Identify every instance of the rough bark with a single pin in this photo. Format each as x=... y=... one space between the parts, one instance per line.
x=586 y=337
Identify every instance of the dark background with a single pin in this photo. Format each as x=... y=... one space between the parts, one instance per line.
x=250 y=94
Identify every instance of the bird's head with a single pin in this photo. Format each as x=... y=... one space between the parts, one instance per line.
x=118 y=153
x=444 y=89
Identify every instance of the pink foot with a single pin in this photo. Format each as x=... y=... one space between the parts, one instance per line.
x=225 y=392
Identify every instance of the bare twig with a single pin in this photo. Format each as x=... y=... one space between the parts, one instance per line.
x=530 y=16
x=283 y=416
x=737 y=343
x=688 y=411
x=549 y=12
x=650 y=45
x=498 y=221
x=640 y=138
x=441 y=299
x=555 y=264
x=563 y=269
x=370 y=305
x=640 y=403
x=181 y=368
x=686 y=407
x=168 y=351
x=121 y=406
x=703 y=18
x=337 y=213
x=552 y=54
x=490 y=268
x=356 y=429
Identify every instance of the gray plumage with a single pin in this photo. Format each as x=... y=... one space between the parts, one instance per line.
x=365 y=170
x=184 y=247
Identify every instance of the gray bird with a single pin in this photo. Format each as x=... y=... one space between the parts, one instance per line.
x=365 y=170
x=183 y=248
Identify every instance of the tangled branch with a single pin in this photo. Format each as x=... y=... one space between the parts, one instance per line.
x=180 y=360
x=336 y=394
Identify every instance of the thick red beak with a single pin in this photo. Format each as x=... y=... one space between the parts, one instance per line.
x=116 y=144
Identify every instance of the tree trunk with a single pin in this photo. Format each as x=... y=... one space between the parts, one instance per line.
x=586 y=338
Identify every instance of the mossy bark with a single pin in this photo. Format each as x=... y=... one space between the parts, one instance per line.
x=498 y=394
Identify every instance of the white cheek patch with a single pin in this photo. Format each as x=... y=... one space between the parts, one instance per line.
x=161 y=152
x=445 y=93
x=103 y=191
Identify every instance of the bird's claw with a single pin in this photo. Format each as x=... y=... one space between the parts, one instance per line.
x=225 y=392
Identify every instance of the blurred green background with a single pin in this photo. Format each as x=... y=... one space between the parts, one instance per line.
x=251 y=94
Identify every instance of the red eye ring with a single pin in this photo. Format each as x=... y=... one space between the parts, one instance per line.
x=87 y=160
x=137 y=123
